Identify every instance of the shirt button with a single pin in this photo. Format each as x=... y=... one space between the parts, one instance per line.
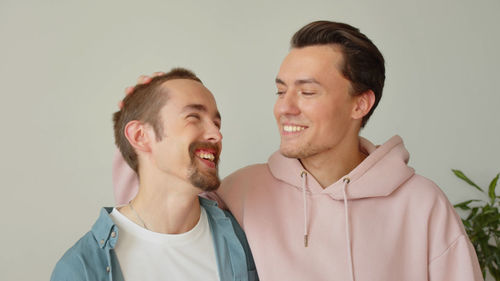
x=113 y=234
x=107 y=268
x=102 y=242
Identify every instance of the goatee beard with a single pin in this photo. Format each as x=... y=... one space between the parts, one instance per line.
x=206 y=181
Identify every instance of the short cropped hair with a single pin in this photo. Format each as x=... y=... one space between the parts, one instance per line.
x=144 y=104
x=363 y=62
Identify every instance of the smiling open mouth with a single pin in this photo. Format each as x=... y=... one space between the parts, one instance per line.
x=205 y=152
x=207 y=156
x=293 y=128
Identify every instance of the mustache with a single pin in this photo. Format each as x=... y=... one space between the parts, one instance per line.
x=204 y=145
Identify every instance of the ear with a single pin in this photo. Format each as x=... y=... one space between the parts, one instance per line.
x=138 y=136
x=363 y=103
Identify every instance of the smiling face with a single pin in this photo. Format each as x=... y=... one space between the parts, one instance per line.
x=191 y=142
x=314 y=106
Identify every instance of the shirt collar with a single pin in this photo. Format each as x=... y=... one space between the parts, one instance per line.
x=104 y=229
x=106 y=232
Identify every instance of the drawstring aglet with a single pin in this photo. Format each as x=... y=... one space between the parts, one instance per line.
x=306 y=240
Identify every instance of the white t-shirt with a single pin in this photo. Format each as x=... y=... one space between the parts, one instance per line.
x=145 y=255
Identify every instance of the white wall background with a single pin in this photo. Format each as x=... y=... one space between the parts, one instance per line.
x=64 y=65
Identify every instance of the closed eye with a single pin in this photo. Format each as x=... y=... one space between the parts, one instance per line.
x=193 y=115
x=307 y=93
x=281 y=91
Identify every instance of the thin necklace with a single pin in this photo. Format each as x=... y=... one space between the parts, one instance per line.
x=137 y=215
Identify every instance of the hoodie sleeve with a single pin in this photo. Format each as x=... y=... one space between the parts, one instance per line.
x=457 y=263
x=125 y=181
x=232 y=192
x=451 y=254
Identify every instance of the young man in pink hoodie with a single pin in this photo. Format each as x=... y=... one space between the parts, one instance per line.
x=330 y=205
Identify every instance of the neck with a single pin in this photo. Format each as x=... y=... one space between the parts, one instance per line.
x=171 y=208
x=331 y=165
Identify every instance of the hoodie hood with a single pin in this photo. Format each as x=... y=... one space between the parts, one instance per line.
x=383 y=171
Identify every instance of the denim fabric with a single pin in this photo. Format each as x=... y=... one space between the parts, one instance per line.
x=93 y=258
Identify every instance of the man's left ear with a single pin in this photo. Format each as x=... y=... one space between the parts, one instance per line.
x=363 y=104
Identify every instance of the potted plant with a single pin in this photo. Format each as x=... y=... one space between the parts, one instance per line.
x=482 y=221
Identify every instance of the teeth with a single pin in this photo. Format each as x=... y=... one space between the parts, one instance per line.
x=205 y=155
x=290 y=128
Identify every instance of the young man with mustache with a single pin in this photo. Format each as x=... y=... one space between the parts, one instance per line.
x=168 y=131
x=330 y=205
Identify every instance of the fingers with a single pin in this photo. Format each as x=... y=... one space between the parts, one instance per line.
x=143 y=79
x=129 y=90
x=158 y=73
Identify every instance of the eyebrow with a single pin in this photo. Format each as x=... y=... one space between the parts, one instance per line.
x=199 y=107
x=299 y=82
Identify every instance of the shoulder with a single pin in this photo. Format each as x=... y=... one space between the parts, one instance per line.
x=240 y=234
x=233 y=188
x=248 y=176
x=422 y=189
x=248 y=173
x=236 y=227
x=442 y=222
x=228 y=232
x=424 y=196
x=72 y=265
x=86 y=259
x=238 y=181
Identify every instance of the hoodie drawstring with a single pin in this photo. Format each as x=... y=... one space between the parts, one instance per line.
x=303 y=175
x=346 y=181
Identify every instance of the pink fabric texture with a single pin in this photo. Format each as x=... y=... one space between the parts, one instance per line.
x=396 y=225
x=125 y=180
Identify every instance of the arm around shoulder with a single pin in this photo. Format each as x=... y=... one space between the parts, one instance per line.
x=234 y=188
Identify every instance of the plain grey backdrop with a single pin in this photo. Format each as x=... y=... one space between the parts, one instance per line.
x=64 y=66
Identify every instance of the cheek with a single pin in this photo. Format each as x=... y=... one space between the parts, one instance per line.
x=275 y=111
x=329 y=120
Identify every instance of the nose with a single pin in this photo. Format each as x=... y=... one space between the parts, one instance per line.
x=286 y=104
x=213 y=134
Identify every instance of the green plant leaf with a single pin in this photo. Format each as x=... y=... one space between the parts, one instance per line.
x=491 y=189
x=467 y=225
x=463 y=177
x=482 y=225
x=464 y=205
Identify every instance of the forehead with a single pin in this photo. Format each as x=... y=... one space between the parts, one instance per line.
x=183 y=92
x=311 y=62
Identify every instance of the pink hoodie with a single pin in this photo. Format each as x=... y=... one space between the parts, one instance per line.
x=380 y=222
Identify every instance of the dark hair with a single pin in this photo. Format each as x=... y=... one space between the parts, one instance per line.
x=144 y=104
x=363 y=62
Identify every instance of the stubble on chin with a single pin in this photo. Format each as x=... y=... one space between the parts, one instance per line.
x=206 y=181
x=299 y=152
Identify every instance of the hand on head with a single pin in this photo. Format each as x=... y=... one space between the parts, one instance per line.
x=143 y=79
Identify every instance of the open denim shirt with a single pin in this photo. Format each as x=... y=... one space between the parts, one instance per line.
x=93 y=257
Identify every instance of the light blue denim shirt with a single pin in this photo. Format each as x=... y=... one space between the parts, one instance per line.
x=93 y=258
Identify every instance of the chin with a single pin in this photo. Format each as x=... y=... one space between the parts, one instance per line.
x=300 y=152
x=290 y=152
x=292 y=149
x=205 y=182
